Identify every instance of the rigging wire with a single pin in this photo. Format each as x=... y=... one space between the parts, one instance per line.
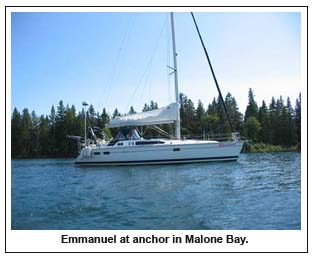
x=148 y=65
x=114 y=73
x=145 y=85
x=161 y=131
x=149 y=84
x=148 y=74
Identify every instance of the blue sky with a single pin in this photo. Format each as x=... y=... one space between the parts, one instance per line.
x=120 y=59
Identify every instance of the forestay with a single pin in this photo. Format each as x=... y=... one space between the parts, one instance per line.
x=164 y=115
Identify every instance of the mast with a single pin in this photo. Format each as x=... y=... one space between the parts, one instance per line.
x=175 y=70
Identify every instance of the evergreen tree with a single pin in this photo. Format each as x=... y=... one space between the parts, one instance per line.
x=234 y=114
x=132 y=111
x=298 y=119
x=52 y=131
x=212 y=117
x=16 y=129
x=91 y=116
x=252 y=107
x=201 y=121
x=103 y=119
x=252 y=128
x=213 y=107
x=223 y=124
x=264 y=119
x=44 y=137
x=280 y=125
x=274 y=121
x=116 y=113
x=34 y=136
x=283 y=124
x=60 y=115
x=290 y=131
x=146 y=107
x=70 y=125
x=212 y=121
x=153 y=106
x=187 y=115
x=60 y=130
x=52 y=116
x=25 y=136
x=80 y=123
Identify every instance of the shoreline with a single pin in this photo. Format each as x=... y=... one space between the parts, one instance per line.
x=247 y=149
x=264 y=148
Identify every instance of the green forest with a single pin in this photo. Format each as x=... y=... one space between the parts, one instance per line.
x=277 y=124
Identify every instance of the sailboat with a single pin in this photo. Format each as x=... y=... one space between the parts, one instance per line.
x=130 y=148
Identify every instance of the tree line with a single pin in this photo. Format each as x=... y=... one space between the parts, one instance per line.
x=278 y=123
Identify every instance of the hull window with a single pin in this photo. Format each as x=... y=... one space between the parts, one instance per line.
x=151 y=142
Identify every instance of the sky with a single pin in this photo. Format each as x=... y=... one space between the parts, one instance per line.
x=121 y=59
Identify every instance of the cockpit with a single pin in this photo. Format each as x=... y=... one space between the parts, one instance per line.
x=125 y=133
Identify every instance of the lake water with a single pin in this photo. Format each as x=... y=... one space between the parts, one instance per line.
x=260 y=191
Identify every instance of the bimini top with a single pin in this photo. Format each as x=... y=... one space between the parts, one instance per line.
x=164 y=115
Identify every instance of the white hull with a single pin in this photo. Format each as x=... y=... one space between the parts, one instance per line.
x=168 y=153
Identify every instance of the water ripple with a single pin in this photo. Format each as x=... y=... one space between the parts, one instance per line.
x=260 y=191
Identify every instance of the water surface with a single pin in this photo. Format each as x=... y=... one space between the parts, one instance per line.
x=260 y=191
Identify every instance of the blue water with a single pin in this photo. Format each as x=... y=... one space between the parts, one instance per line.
x=260 y=191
